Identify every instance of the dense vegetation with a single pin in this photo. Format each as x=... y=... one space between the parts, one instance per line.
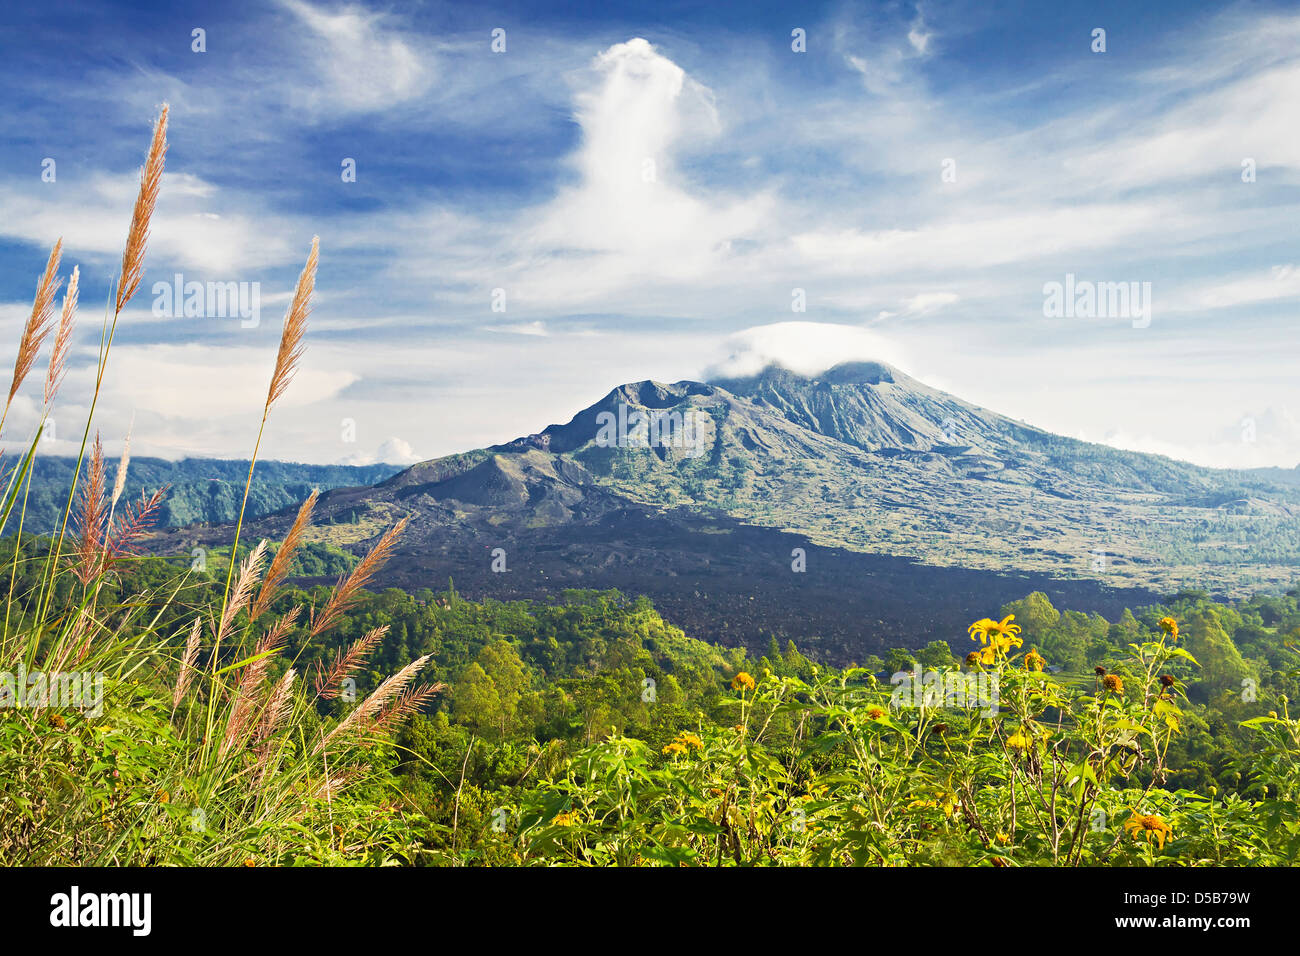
x=550 y=745
x=591 y=731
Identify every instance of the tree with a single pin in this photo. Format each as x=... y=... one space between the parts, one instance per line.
x=1222 y=666
x=898 y=659
x=1034 y=614
x=475 y=701
x=501 y=665
x=935 y=655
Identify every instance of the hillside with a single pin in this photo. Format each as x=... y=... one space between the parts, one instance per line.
x=200 y=490
x=909 y=505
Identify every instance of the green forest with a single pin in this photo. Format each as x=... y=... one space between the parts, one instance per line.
x=593 y=732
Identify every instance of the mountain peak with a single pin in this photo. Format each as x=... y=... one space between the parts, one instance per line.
x=846 y=373
x=859 y=373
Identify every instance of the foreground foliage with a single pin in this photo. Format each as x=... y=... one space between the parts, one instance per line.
x=164 y=724
x=842 y=768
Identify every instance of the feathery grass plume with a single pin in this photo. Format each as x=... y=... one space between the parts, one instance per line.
x=135 y=521
x=277 y=708
x=90 y=553
x=119 y=483
x=250 y=681
x=249 y=572
x=286 y=364
x=330 y=785
x=295 y=327
x=347 y=591
x=63 y=338
x=188 y=658
x=277 y=711
x=346 y=662
x=137 y=236
x=78 y=636
x=275 y=575
x=132 y=270
x=365 y=712
x=38 y=323
x=407 y=704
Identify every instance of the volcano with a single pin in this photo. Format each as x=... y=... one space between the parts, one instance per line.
x=851 y=511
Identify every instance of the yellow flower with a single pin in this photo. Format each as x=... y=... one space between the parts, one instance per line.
x=1149 y=827
x=998 y=637
x=1027 y=735
x=1005 y=642
x=564 y=819
x=1113 y=683
x=1034 y=660
x=682 y=743
x=943 y=800
x=1169 y=626
x=742 y=680
x=986 y=628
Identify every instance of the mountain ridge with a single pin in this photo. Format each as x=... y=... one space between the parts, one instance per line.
x=898 y=489
x=199 y=490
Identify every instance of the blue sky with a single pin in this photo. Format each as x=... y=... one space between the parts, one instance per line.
x=647 y=186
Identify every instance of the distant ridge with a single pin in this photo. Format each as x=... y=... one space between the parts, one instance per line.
x=200 y=490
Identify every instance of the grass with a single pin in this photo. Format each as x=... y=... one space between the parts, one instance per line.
x=195 y=743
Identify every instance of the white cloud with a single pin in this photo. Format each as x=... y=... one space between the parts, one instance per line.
x=1281 y=282
x=1246 y=446
x=363 y=64
x=397 y=451
x=919 y=35
x=194 y=226
x=1209 y=133
x=520 y=328
x=804 y=347
x=633 y=216
x=394 y=451
x=926 y=302
x=987 y=237
x=196 y=382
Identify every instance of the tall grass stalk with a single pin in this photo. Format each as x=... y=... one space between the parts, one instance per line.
x=204 y=748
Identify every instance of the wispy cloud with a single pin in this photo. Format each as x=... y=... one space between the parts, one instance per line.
x=361 y=61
